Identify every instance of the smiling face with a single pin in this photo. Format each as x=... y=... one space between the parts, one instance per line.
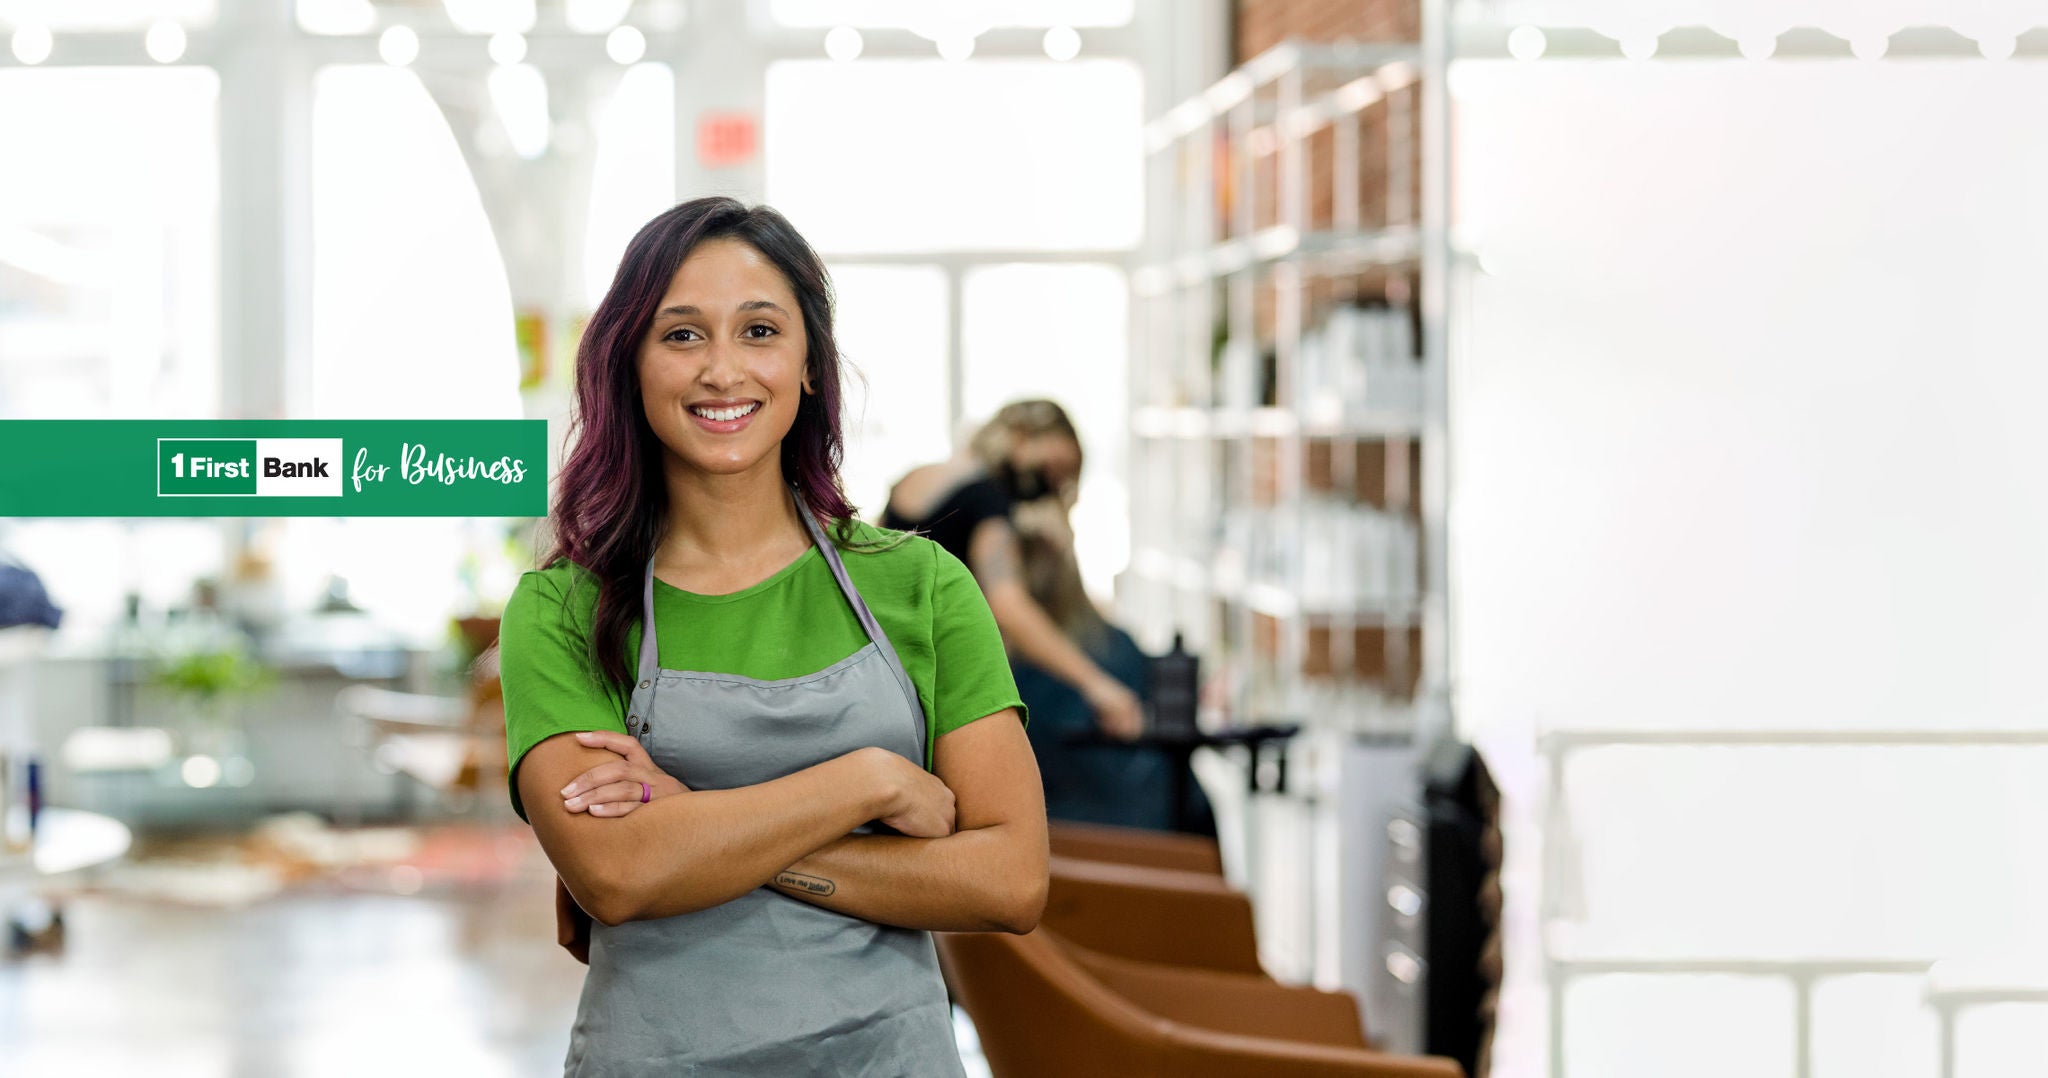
x=722 y=367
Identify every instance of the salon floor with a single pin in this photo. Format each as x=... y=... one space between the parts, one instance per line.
x=313 y=982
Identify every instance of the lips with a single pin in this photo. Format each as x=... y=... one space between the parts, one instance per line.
x=721 y=412
x=724 y=417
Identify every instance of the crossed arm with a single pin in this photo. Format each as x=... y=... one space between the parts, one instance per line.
x=689 y=850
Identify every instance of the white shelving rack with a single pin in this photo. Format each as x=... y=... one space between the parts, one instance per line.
x=1250 y=419
x=1289 y=488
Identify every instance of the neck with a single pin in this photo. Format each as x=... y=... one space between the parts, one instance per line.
x=729 y=518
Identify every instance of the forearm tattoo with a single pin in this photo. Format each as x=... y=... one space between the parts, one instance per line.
x=817 y=886
x=996 y=559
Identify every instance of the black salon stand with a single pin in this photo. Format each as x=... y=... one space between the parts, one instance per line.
x=1179 y=748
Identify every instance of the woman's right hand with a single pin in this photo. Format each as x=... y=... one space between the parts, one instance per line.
x=913 y=800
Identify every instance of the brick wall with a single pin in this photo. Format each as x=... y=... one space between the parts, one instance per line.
x=1375 y=209
x=1258 y=25
x=1261 y=24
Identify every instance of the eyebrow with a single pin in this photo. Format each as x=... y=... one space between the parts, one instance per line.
x=688 y=311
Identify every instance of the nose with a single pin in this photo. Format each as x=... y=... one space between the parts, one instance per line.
x=723 y=368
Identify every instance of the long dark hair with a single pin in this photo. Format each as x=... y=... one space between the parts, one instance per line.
x=611 y=498
x=1051 y=574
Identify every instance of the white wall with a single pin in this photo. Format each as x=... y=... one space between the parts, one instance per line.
x=1747 y=433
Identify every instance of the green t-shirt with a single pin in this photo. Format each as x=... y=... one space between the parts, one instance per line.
x=796 y=622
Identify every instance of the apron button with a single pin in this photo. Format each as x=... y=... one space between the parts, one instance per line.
x=644 y=684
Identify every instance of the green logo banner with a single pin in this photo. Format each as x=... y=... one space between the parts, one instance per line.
x=273 y=468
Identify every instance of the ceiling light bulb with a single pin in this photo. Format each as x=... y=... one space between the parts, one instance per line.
x=625 y=45
x=843 y=43
x=1062 y=43
x=507 y=47
x=398 y=45
x=956 y=47
x=32 y=43
x=165 y=41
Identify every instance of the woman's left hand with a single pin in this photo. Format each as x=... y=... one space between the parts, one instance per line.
x=613 y=788
x=1117 y=709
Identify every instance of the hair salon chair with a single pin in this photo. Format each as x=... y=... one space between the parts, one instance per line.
x=1043 y=1007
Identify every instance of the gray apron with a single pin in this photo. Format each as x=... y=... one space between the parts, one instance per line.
x=766 y=984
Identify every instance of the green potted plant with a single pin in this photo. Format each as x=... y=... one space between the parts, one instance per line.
x=209 y=681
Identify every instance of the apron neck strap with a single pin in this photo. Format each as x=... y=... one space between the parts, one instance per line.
x=650 y=651
x=867 y=620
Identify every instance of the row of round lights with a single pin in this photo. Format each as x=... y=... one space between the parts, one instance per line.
x=1529 y=43
x=1062 y=43
x=397 y=45
x=400 y=45
x=165 y=41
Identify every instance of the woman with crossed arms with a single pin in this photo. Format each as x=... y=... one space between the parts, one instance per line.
x=767 y=747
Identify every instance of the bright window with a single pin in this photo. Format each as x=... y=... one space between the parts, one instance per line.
x=411 y=313
x=915 y=155
x=109 y=291
x=1746 y=435
x=109 y=301
x=891 y=325
x=412 y=318
x=634 y=177
x=1059 y=331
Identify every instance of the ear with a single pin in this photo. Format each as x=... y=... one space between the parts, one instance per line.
x=807 y=381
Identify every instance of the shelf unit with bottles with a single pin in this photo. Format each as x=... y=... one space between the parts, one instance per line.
x=1288 y=391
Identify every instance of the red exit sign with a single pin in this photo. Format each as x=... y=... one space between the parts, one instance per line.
x=725 y=138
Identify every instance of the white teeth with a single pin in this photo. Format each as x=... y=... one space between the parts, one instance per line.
x=723 y=415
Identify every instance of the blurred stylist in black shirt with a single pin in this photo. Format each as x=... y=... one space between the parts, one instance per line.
x=1030 y=452
x=1002 y=507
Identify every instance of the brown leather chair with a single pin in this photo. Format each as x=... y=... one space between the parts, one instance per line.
x=1135 y=846
x=1045 y=1011
x=1250 y=1004
x=1116 y=919
x=1190 y=919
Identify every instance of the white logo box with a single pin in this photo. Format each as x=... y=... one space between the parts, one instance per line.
x=292 y=454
